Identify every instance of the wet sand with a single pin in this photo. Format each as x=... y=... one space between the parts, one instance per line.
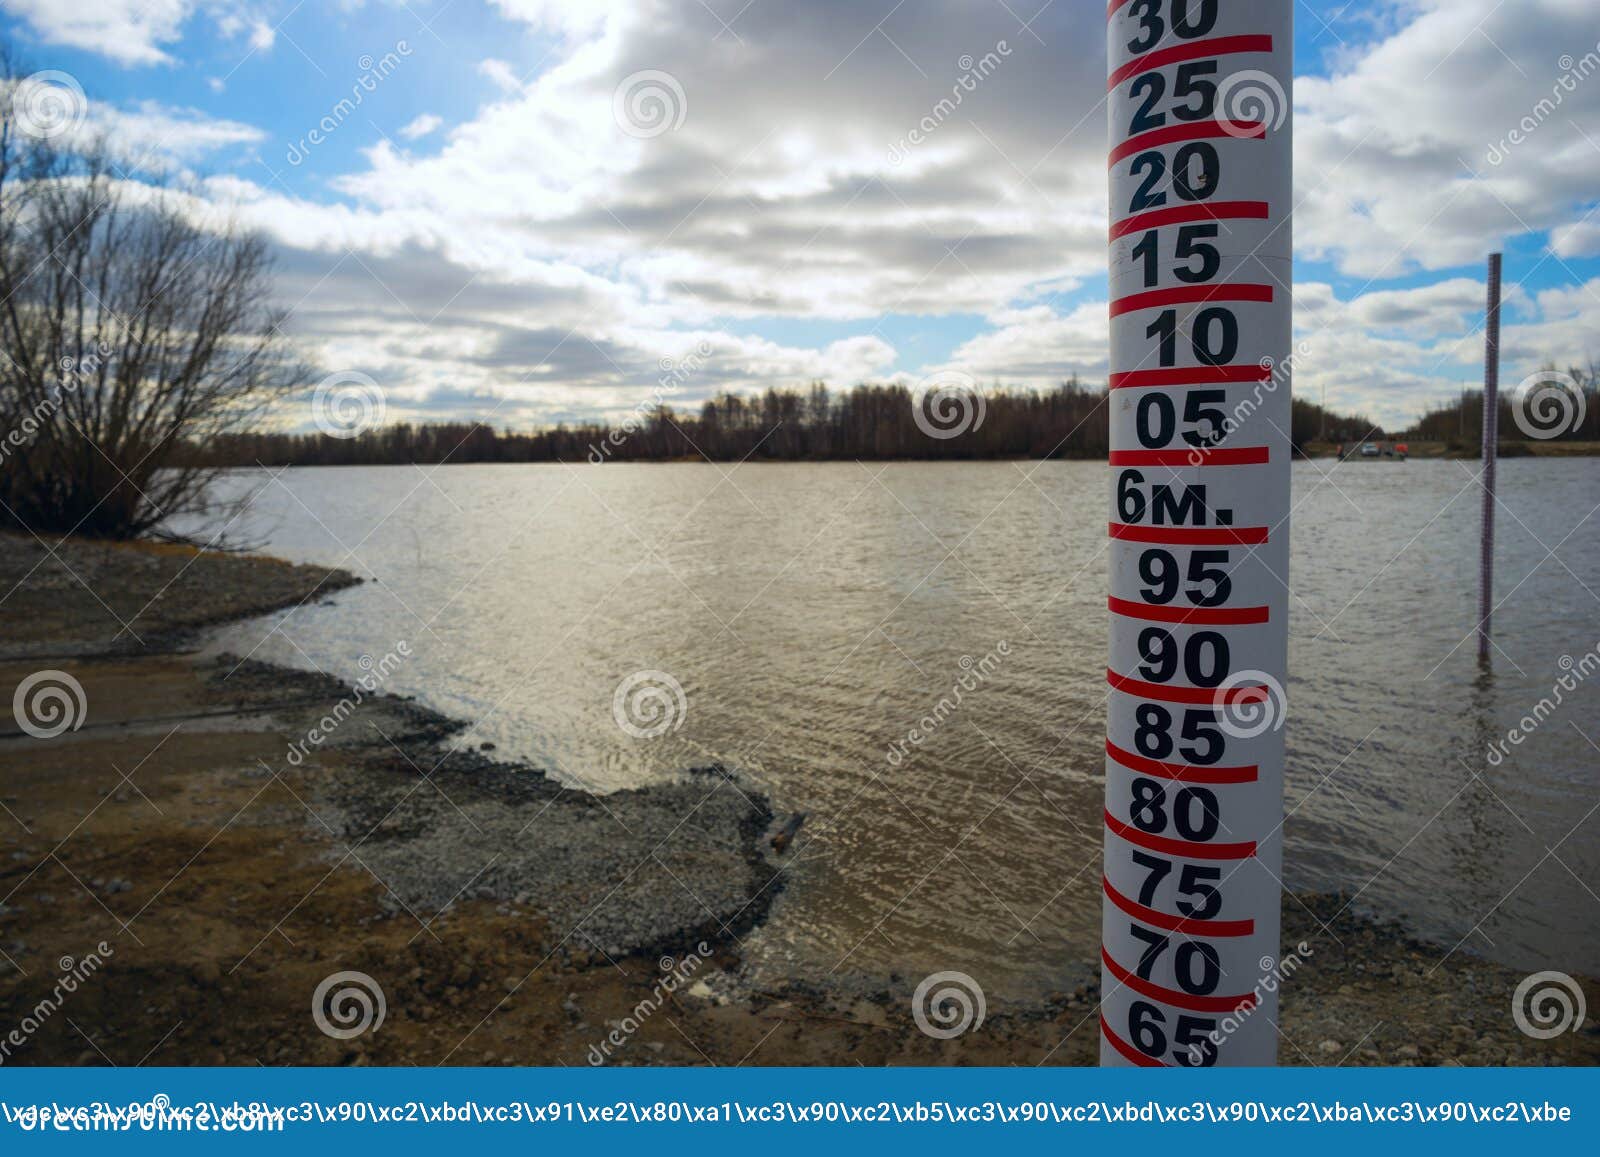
x=229 y=867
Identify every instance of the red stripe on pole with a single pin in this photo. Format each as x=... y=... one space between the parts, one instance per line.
x=1190 y=295
x=1185 y=848
x=1183 y=214
x=1197 y=457
x=1195 y=131
x=1182 y=772
x=1214 y=929
x=1191 y=376
x=1133 y=1055
x=1197 y=616
x=1194 y=50
x=1173 y=996
x=1190 y=535
x=1195 y=696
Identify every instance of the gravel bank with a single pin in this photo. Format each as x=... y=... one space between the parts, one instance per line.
x=79 y=597
x=439 y=824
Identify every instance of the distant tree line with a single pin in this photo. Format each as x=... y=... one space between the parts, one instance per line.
x=1556 y=407
x=868 y=422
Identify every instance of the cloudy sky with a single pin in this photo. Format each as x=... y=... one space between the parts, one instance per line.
x=514 y=210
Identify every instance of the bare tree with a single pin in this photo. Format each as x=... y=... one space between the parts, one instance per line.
x=134 y=327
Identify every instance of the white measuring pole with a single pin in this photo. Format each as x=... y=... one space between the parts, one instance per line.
x=1200 y=262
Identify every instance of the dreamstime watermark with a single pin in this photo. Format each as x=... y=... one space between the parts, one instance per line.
x=37 y=416
x=1573 y=72
x=1249 y=101
x=375 y=672
x=675 y=974
x=648 y=704
x=1577 y=670
x=1275 y=373
x=972 y=73
x=347 y=1004
x=48 y=104
x=974 y=674
x=49 y=703
x=347 y=403
x=373 y=73
x=673 y=374
x=157 y=1115
x=648 y=103
x=73 y=974
x=1250 y=703
x=1273 y=974
x=1548 y=1004
x=947 y=1004
x=947 y=404
x=1548 y=404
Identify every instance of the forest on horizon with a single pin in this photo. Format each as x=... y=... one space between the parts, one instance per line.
x=868 y=422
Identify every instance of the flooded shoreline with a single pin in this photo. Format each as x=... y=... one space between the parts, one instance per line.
x=229 y=882
x=806 y=620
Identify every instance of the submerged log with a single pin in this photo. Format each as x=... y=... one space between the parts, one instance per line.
x=780 y=841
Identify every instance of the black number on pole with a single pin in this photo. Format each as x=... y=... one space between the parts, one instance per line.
x=1159 y=870
x=1187 y=84
x=1151 y=737
x=1205 y=657
x=1145 y=1022
x=1155 y=944
x=1202 y=22
x=1160 y=570
x=1147 y=196
x=1155 y=420
x=1165 y=328
x=1190 y=246
x=1151 y=26
x=1191 y=186
x=1215 y=336
x=1152 y=86
x=1198 y=981
x=1195 y=881
x=1205 y=566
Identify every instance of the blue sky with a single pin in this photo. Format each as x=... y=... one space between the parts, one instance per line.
x=484 y=237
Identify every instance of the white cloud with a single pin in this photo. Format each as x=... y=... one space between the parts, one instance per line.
x=1579 y=239
x=1408 y=158
x=1038 y=347
x=127 y=31
x=152 y=134
x=421 y=126
x=262 y=35
x=501 y=73
x=543 y=255
x=571 y=17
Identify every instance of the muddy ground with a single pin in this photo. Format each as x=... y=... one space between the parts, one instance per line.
x=198 y=868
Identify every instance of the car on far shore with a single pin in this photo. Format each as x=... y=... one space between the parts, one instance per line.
x=1370 y=450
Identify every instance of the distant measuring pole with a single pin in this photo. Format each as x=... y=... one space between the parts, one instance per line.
x=1200 y=271
x=1491 y=448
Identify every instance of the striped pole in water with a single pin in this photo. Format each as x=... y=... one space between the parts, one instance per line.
x=1491 y=441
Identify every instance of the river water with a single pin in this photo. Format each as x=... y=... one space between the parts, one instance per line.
x=814 y=615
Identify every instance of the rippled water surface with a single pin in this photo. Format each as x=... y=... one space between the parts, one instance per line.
x=814 y=613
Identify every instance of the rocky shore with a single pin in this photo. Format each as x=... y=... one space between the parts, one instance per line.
x=225 y=839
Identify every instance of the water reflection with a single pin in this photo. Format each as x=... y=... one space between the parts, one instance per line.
x=813 y=614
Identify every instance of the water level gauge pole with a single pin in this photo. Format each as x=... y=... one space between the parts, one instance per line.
x=1491 y=447
x=1200 y=277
